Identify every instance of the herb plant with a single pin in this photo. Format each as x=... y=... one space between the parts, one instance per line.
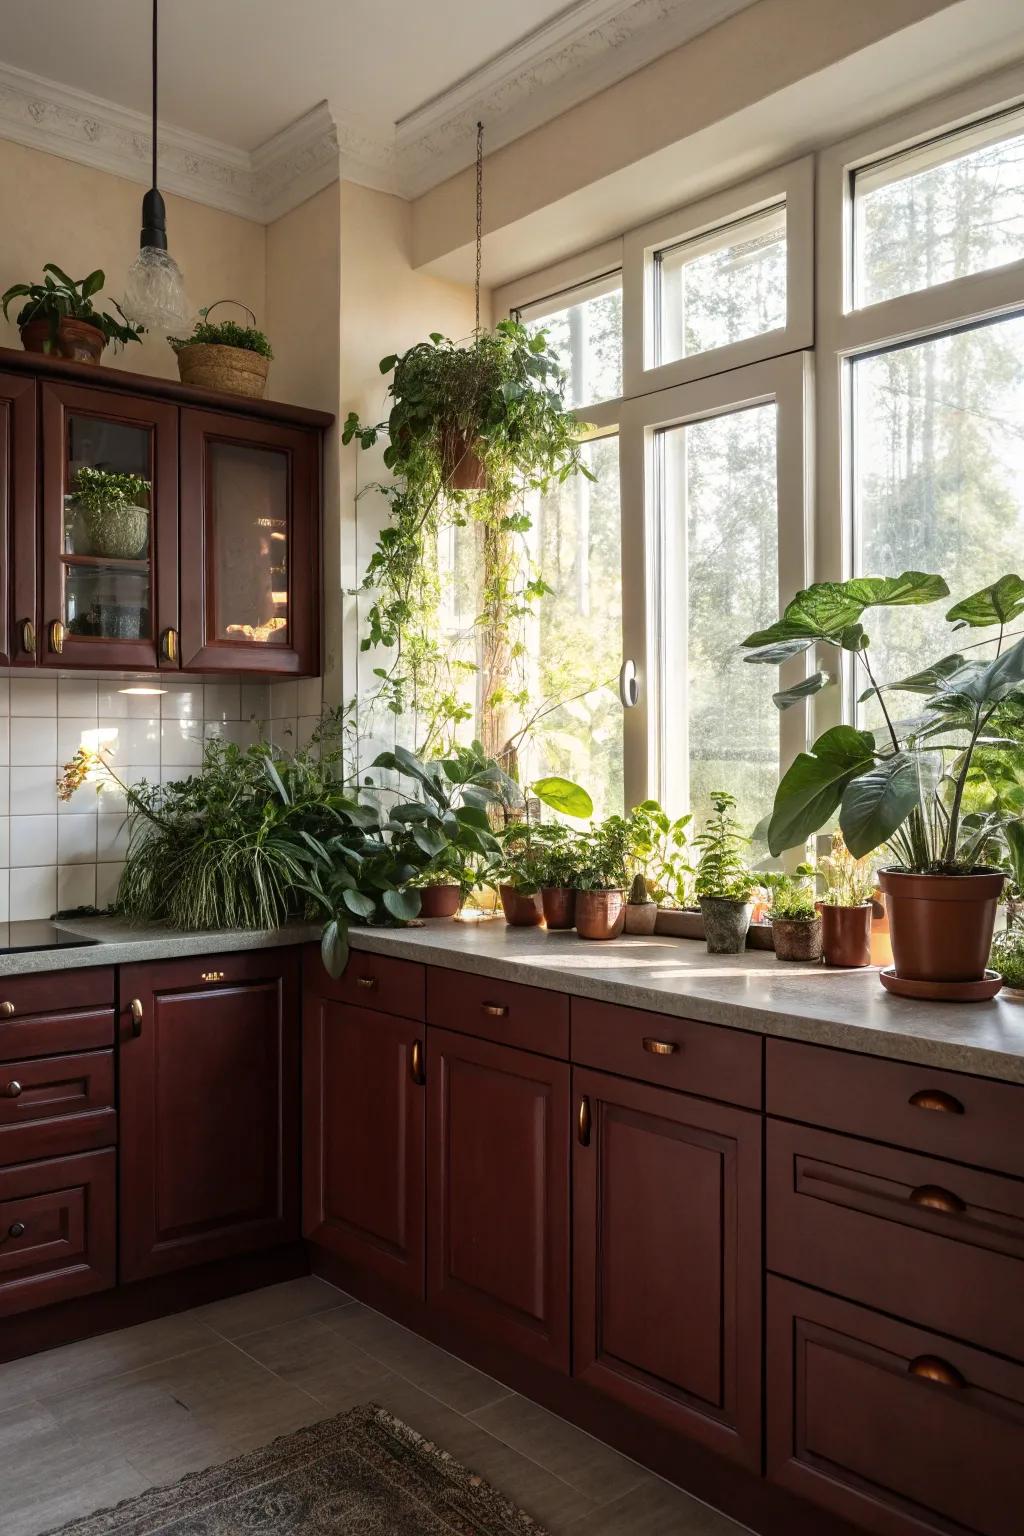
x=59 y=297
x=225 y=333
x=97 y=490
x=605 y=856
x=792 y=896
x=1008 y=957
x=659 y=849
x=721 y=870
x=849 y=882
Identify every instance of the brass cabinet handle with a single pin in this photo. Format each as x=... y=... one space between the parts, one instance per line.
x=135 y=1009
x=13 y=1090
x=931 y=1368
x=6 y=1010
x=583 y=1122
x=211 y=975
x=17 y=1229
x=56 y=637
x=416 y=1071
x=495 y=1010
x=369 y=982
x=170 y=644
x=933 y=1198
x=660 y=1047
x=936 y=1099
x=28 y=637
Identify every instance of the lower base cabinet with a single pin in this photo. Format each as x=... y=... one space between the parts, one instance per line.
x=58 y=1230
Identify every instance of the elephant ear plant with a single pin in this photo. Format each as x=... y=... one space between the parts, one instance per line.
x=904 y=786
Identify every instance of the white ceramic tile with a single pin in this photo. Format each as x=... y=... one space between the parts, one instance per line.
x=33 y=841
x=255 y=701
x=139 y=741
x=5 y=739
x=306 y=728
x=181 y=743
x=243 y=733
x=76 y=886
x=5 y=895
x=77 y=696
x=311 y=696
x=84 y=802
x=33 y=791
x=285 y=733
x=34 y=696
x=222 y=701
x=5 y=842
x=284 y=700
x=76 y=839
x=34 y=741
x=107 y=878
x=5 y=696
x=115 y=705
x=112 y=838
x=5 y=791
x=33 y=892
x=182 y=701
x=74 y=731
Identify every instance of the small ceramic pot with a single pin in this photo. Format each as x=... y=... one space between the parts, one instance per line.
x=941 y=925
x=440 y=900
x=522 y=909
x=76 y=340
x=600 y=914
x=797 y=938
x=559 y=903
x=725 y=924
x=846 y=934
x=641 y=916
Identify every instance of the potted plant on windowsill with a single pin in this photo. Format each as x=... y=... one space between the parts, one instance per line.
x=903 y=786
x=641 y=908
x=603 y=879
x=848 y=907
x=520 y=875
x=560 y=865
x=796 y=924
x=723 y=885
x=224 y=355
x=60 y=319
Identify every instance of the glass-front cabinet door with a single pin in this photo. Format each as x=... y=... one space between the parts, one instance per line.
x=250 y=585
x=17 y=520
x=109 y=530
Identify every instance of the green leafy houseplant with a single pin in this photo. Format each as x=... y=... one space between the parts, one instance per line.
x=1008 y=957
x=796 y=924
x=660 y=852
x=224 y=333
x=115 y=523
x=603 y=878
x=723 y=884
x=58 y=298
x=847 y=908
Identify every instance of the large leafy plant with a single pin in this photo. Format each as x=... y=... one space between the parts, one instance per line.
x=59 y=297
x=904 y=785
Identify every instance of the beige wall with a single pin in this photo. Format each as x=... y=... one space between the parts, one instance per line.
x=57 y=210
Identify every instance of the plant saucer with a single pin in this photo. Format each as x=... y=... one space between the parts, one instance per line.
x=949 y=991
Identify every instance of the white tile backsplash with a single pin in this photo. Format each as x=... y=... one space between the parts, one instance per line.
x=70 y=853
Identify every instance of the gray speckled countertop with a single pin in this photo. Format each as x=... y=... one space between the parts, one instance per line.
x=754 y=991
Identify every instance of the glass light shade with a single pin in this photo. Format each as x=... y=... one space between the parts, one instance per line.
x=154 y=294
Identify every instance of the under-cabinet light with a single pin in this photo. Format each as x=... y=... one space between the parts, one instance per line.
x=142 y=690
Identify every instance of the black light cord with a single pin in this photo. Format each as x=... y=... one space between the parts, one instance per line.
x=156 y=4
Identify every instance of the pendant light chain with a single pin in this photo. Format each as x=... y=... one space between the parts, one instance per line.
x=479 y=212
x=155 y=82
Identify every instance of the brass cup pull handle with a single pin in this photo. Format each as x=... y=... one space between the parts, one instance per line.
x=56 y=637
x=495 y=1010
x=13 y=1090
x=583 y=1122
x=6 y=1010
x=135 y=1009
x=660 y=1047
x=931 y=1368
x=170 y=644
x=28 y=637
x=369 y=982
x=934 y=1198
x=936 y=1099
x=16 y=1229
x=416 y=1071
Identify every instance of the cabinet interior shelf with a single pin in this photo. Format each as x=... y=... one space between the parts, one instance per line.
x=106 y=560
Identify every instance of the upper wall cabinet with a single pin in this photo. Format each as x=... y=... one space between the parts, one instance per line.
x=213 y=567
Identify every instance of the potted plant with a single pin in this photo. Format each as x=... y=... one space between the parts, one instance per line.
x=560 y=865
x=105 y=506
x=60 y=319
x=723 y=885
x=603 y=879
x=903 y=787
x=1007 y=959
x=796 y=924
x=641 y=908
x=520 y=875
x=848 y=907
x=224 y=355
x=445 y=883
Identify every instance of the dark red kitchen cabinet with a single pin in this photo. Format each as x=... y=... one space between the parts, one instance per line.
x=498 y=1193
x=667 y=1258
x=17 y=520
x=363 y=1120
x=209 y=1104
x=58 y=1230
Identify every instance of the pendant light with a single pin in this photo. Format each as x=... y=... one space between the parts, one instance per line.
x=154 y=294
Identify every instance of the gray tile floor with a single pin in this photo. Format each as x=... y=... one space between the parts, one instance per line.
x=87 y=1425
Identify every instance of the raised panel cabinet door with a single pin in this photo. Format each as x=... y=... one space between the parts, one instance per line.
x=109 y=572
x=363 y=1150
x=667 y=1258
x=498 y=1193
x=250 y=551
x=209 y=1096
x=18 y=521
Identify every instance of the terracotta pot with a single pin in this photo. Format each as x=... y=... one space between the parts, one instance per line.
x=522 y=909
x=641 y=916
x=440 y=900
x=559 y=903
x=725 y=924
x=941 y=925
x=846 y=934
x=600 y=914
x=462 y=469
x=797 y=938
x=76 y=339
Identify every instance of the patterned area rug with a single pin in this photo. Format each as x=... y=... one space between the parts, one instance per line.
x=363 y=1473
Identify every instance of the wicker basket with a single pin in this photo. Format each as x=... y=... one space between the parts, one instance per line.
x=232 y=370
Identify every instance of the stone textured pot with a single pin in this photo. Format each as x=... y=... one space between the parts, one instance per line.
x=440 y=900
x=559 y=903
x=797 y=938
x=846 y=934
x=641 y=916
x=522 y=909
x=600 y=914
x=941 y=925
x=118 y=533
x=76 y=340
x=725 y=924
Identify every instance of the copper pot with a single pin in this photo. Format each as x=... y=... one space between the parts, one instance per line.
x=440 y=900
x=600 y=914
x=846 y=934
x=76 y=339
x=797 y=938
x=941 y=925
x=461 y=467
x=522 y=909
x=559 y=903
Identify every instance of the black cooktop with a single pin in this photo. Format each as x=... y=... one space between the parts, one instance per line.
x=38 y=933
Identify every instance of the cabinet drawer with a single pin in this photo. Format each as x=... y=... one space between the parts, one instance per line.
x=56 y=1011
x=57 y=1230
x=370 y=981
x=938 y=1243
x=51 y=1034
x=896 y=1429
x=701 y=1058
x=503 y=1011
x=967 y=1119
